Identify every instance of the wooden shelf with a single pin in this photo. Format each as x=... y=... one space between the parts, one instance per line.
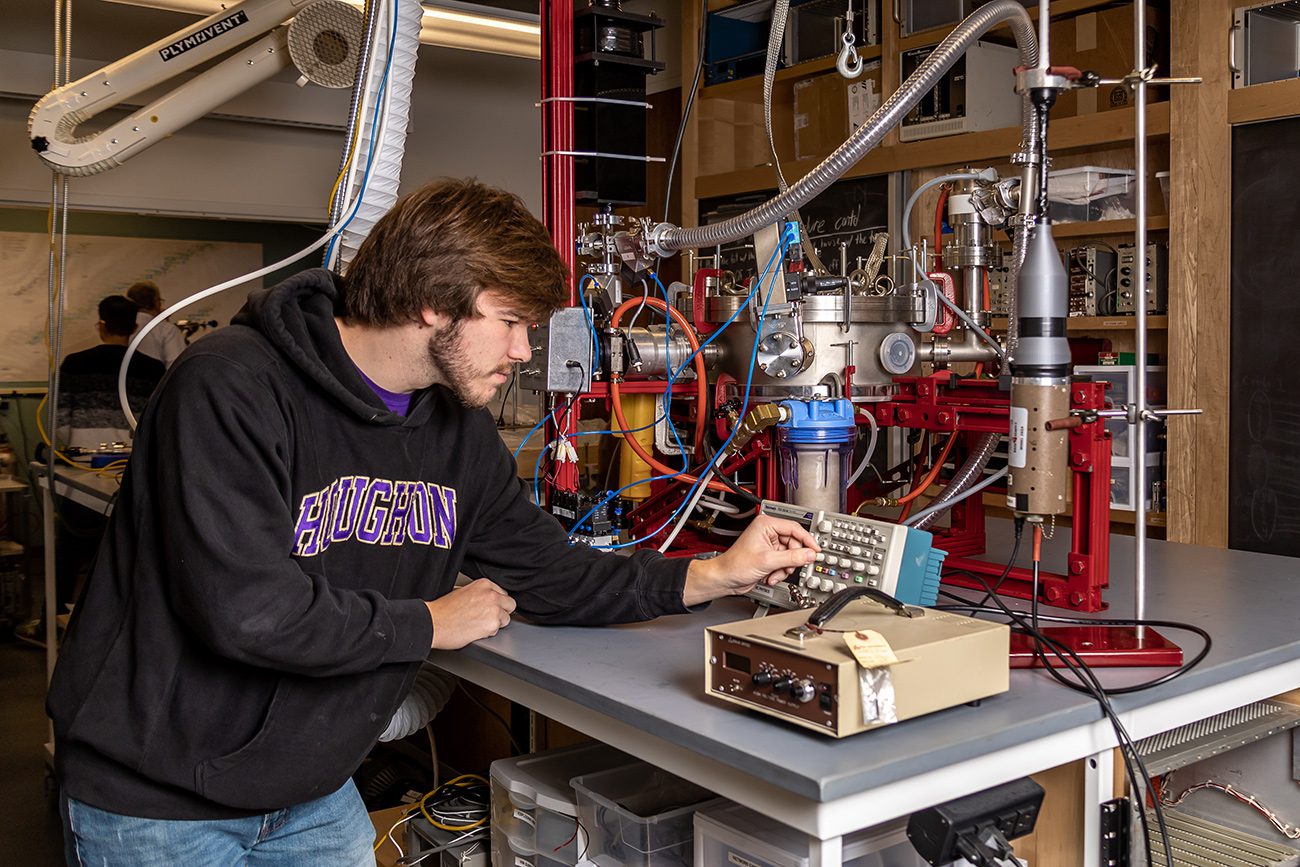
x=1264 y=101
x=1067 y=134
x=998 y=504
x=1101 y=228
x=1060 y=9
x=750 y=88
x=1097 y=323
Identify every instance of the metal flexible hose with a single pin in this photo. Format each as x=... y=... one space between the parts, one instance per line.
x=890 y=113
x=967 y=475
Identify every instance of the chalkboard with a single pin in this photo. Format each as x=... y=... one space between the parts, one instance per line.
x=1264 y=426
x=848 y=212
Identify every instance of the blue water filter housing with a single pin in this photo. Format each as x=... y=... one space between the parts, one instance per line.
x=815 y=447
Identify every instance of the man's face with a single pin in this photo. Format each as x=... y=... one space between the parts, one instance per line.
x=473 y=357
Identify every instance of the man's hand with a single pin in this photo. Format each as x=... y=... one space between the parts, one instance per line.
x=469 y=613
x=768 y=551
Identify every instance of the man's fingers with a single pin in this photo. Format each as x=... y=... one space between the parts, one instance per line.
x=791 y=531
x=789 y=560
x=508 y=604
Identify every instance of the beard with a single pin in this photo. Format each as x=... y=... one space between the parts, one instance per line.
x=471 y=385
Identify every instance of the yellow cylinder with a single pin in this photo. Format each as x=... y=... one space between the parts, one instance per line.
x=639 y=410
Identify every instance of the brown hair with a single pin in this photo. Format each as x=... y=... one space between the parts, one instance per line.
x=442 y=245
x=145 y=294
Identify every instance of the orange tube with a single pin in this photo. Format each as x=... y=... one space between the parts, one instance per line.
x=701 y=380
x=930 y=476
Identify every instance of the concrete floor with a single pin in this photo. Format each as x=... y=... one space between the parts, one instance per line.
x=30 y=833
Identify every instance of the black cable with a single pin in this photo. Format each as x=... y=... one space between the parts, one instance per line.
x=501 y=417
x=686 y=111
x=722 y=477
x=980 y=608
x=496 y=716
x=1135 y=767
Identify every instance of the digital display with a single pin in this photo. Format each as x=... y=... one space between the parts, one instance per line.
x=736 y=662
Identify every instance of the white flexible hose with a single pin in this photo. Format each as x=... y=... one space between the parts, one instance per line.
x=690 y=507
x=948 y=504
x=912 y=200
x=719 y=506
x=194 y=299
x=428 y=696
x=871 y=450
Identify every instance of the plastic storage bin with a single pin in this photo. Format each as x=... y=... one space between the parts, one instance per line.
x=1092 y=193
x=729 y=834
x=535 y=810
x=1123 y=476
x=639 y=816
x=1123 y=384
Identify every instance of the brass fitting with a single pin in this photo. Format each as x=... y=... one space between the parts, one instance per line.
x=759 y=419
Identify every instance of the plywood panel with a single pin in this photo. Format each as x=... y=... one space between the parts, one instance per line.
x=1199 y=255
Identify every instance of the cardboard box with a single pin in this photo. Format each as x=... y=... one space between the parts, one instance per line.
x=386 y=855
x=1103 y=42
x=731 y=136
x=825 y=105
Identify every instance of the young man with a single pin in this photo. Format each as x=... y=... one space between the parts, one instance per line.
x=90 y=412
x=164 y=342
x=306 y=486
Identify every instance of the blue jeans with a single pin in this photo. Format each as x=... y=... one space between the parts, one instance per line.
x=333 y=830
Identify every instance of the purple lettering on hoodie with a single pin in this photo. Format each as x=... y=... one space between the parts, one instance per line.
x=306 y=534
x=375 y=511
x=444 y=512
x=343 y=518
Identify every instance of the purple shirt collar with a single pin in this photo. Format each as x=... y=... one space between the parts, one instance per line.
x=397 y=401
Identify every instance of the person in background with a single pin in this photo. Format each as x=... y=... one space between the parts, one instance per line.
x=165 y=341
x=90 y=417
x=90 y=414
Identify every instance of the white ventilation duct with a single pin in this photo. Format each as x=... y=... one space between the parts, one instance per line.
x=382 y=98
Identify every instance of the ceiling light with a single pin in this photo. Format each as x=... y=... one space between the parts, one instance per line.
x=449 y=25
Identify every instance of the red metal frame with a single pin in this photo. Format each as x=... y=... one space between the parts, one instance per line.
x=945 y=403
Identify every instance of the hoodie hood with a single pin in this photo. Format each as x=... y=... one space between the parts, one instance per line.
x=297 y=317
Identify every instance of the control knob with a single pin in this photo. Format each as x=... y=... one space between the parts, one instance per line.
x=763 y=677
x=782 y=683
x=803 y=691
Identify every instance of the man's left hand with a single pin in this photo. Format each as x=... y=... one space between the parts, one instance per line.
x=768 y=551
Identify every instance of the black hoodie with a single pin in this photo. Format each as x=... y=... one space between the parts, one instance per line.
x=254 y=616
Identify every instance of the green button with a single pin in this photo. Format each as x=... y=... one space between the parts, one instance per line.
x=858 y=580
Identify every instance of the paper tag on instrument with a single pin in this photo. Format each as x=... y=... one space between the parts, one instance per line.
x=870 y=649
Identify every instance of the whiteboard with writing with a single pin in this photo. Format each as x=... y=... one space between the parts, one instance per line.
x=847 y=213
x=99 y=266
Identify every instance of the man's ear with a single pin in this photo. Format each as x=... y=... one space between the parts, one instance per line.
x=432 y=319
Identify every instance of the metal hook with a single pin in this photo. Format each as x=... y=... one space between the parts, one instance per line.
x=849 y=63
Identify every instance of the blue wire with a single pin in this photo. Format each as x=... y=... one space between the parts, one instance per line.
x=786 y=240
x=374 y=135
x=690 y=493
x=529 y=435
x=753 y=356
x=586 y=312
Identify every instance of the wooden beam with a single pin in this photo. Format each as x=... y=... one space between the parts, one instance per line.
x=1200 y=222
x=1270 y=101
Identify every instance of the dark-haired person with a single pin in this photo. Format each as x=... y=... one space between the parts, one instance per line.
x=164 y=341
x=89 y=416
x=305 y=487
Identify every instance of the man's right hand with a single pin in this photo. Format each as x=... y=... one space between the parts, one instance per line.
x=468 y=613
